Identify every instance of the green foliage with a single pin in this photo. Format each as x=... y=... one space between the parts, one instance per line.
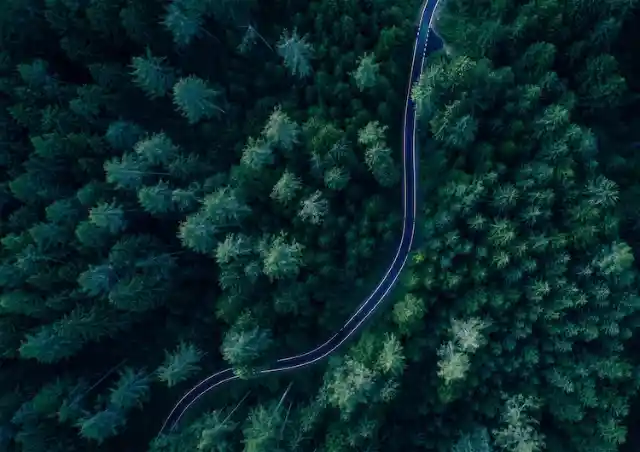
x=476 y=441
x=101 y=426
x=97 y=280
x=108 y=216
x=157 y=199
x=130 y=391
x=243 y=348
x=198 y=233
x=336 y=178
x=195 y=99
x=179 y=365
x=296 y=52
x=184 y=23
x=280 y=130
x=126 y=172
x=367 y=73
x=68 y=335
x=285 y=190
x=257 y=155
x=263 y=427
x=152 y=74
x=139 y=219
x=157 y=149
x=518 y=432
x=314 y=208
x=282 y=259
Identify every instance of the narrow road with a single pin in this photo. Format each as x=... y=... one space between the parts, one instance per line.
x=373 y=301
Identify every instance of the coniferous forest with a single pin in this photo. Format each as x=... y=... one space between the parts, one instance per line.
x=192 y=185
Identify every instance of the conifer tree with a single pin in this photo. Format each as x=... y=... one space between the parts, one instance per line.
x=296 y=52
x=157 y=199
x=179 y=365
x=367 y=73
x=285 y=190
x=156 y=149
x=195 y=99
x=314 y=208
x=152 y=74
x=184 y=22
x=242 y=348
x=281 y=259
x=280 y=130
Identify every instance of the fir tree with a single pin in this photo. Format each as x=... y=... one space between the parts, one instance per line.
x=296 y=52
x=195 y=99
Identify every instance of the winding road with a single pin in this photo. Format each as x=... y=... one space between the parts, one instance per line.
x=373 y=301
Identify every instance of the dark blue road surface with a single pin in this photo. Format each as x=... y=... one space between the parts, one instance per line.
x=373 y=301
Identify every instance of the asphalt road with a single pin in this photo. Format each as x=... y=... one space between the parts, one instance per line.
x=374 y=300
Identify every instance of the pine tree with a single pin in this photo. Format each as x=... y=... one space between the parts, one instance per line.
x=336 y=178
x=152 y=75
x=184 y=23
x=257 y=154
x=224 y=207
x=263 y=428
x=477 y=440
x=156 y=199
x=138 y=293
x=108 y=216
x=285 y=190
x=179 y=365
x=195 y=99
x=242 y=348
x=280 y=130
x=198 y=233
x=128 y=172
x=233 y=247
x=296 y=52
x=97 y=280
x=518 y=432
x=314 y=208
x=156 y=149
x=281 y=259
x=215 y=432
x=131 y=390
x=378 y=159
x=367 y=73
x=372 y=134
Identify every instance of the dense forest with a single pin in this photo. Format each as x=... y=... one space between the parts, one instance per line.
x=191 y=185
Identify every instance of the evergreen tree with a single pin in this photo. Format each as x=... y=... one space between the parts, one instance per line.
x=108 y=216
x=296 y=52
x=367 y=73
x=314 y=208
x=281 y=259
x=285 y=190
x=152 y=74
x=180 y=364
x=280 y=130
x=156 y=149
x=195 y=100
x=157 y=199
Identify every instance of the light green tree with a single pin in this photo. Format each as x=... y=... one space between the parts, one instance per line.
x=367 y=73
x=280 y=130
x=314 y=208
x=296 y=52
x=285 y=190
x=282 y=259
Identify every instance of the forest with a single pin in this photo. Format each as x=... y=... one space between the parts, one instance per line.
x=193 y=185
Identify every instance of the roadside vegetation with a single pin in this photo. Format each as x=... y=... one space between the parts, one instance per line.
x=190 y=185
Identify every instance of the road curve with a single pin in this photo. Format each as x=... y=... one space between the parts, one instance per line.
x=373 y=301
